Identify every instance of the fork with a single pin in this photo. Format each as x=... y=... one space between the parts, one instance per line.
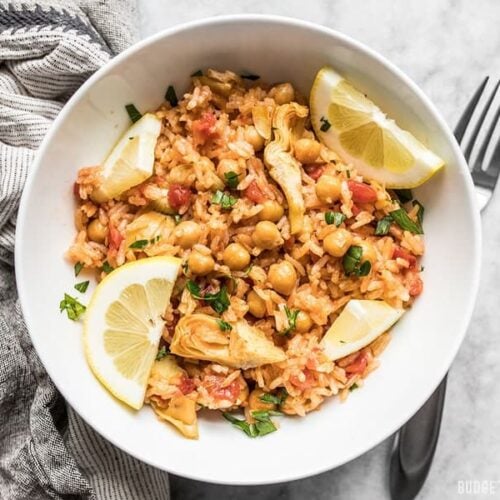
x=416 y=441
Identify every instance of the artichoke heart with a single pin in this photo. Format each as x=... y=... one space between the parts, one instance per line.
x=149 y=227
x=199 y=336
x=181 y=413
x=288 y=125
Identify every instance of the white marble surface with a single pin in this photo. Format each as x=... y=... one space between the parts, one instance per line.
x=447 y=47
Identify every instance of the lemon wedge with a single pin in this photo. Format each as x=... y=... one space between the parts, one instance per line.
x=131 y=161
x=359 y=324
x=124 y=323
x=346 y=121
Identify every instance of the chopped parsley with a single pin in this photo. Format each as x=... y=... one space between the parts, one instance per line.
x=197 y=73
x=250 y=77
x=139 y=244
x=133 y=113
x=154 y=240
x=231 y=179
x=404 y=195
x=78 y=268
x=402 y=219
x=277 y=399
x=325 y=124
x=352 y=262
x=82 y=287
x=348 y=173
x=354 y=387
x=226 y=201
x=291 y=316
x=106 y=267
x=263 y=425
x=218 y=301
x=73 y=308
x=335 y=218
x=171 y=96
x=161 y=353
x=383 y=226
x=224 y=325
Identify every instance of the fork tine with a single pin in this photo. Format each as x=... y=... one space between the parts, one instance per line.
x=484 y=146
x=479 y=123
x=493 y=169
x=469 y=110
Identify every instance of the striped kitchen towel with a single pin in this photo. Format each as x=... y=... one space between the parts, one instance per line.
x=47 y=50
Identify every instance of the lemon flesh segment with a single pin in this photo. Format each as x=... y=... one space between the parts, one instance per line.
x=359 y=324
x=363 y=136
x=131 y=161
x=124 y=323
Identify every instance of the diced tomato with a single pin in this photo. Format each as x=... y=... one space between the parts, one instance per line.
x=115 y=237
x=254 y=193
x=178 y=196
x=204 y=128
x=186 y=385
x=229 y=393
x=361 y=192
x=315 y=171
x=312 y=364
x=303 y=384
x=355 y=209
x=416 y=286
x=358 y=365
x=400 y=253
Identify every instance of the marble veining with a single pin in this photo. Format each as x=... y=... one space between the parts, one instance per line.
x=447 y=47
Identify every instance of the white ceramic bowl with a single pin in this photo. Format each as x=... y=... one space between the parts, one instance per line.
x=425 y=341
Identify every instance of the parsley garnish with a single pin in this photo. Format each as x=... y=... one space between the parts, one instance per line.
x=401 y=218
x=383 y=226
x=73 y=308
x=261 y=427
x=277 y=399
x=133 y=113
x=291 y=316
x=218 y=301
x=161 y=353
x=197 y=73
x=352 y=262
x=354 y=387
x=78 y=268
x=325 y=124
x=224 y=325
x=154 y=240
x=171 y=96
x=335 y=218
x=348 y=173
x=139 y=244
x=404 y=195
x=225 y=200
x=231 y=179
x=82 y=287
x=250 y=77
x=106 y=267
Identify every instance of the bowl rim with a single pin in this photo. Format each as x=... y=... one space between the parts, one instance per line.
x=474 y=231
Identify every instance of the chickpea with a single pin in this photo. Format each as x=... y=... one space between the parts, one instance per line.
x=307 y=150
x=200 y=264
x=227 y=165
x=256 y=305
x=283 y=277
x=338 y=242
x=254 y=138
x=271 y=210
x=303 y=323
x=369 y=252
x=96 y=231
x=236 y=257
x=328 y=189
x=282 y=93
x=267 y=235
x=187 y=233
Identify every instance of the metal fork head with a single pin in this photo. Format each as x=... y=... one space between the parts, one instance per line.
x=485 y=177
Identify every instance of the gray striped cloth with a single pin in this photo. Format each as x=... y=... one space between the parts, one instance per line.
x=47 y=49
